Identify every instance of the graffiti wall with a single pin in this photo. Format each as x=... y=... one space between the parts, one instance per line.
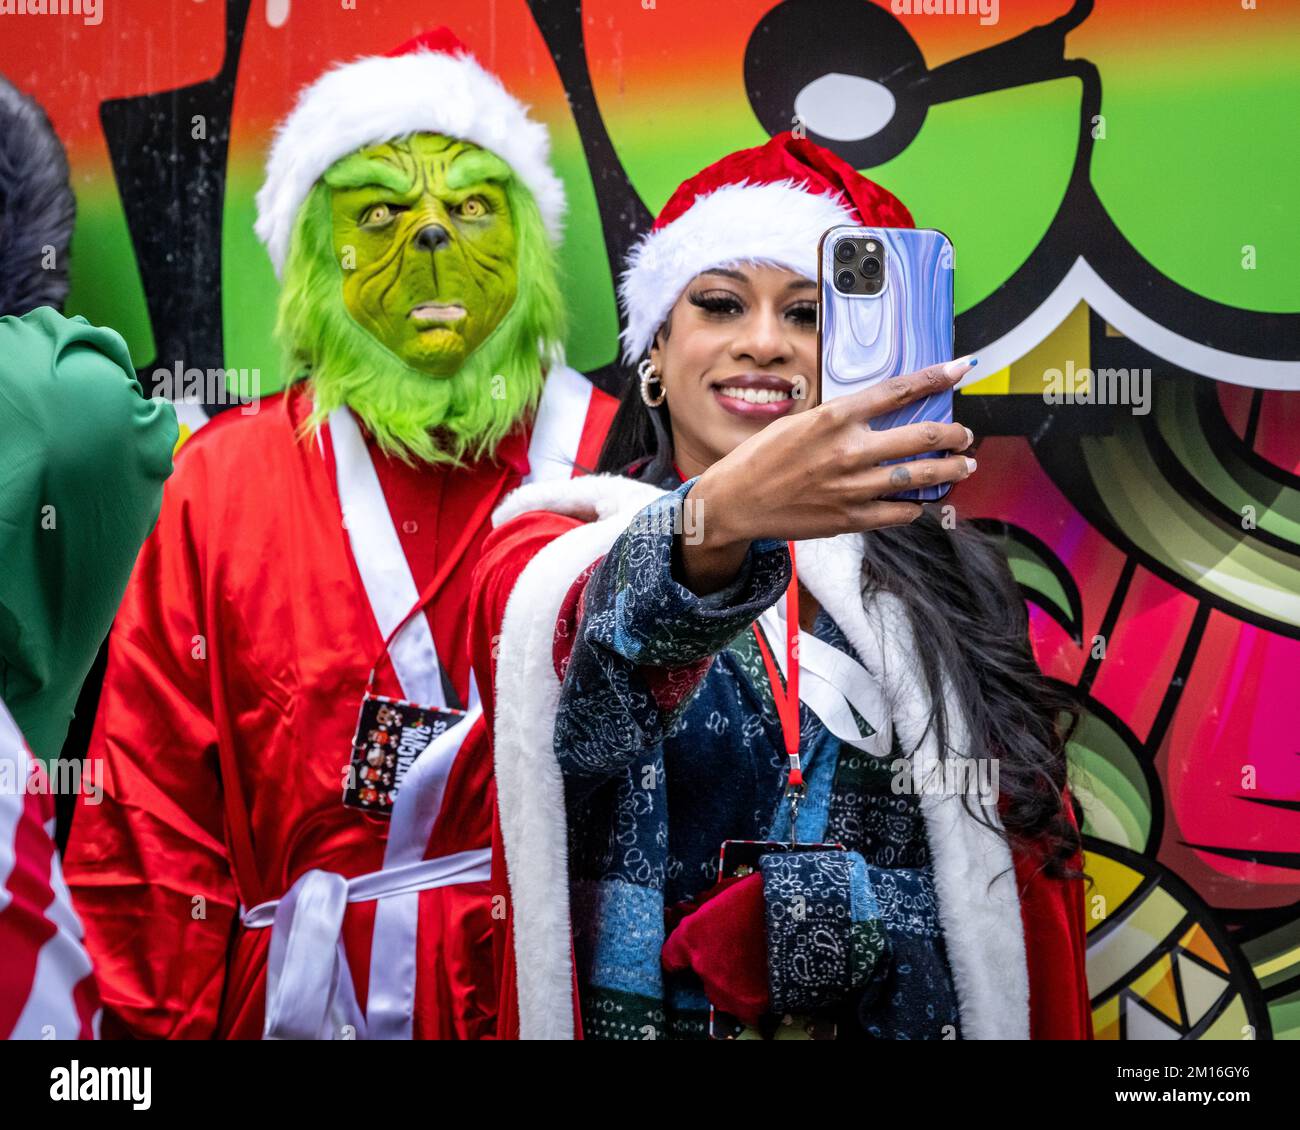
x=1119 y=180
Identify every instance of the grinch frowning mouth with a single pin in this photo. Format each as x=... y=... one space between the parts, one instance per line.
x=435 y=315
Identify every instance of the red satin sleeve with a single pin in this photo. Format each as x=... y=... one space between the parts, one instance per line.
x=147 y=862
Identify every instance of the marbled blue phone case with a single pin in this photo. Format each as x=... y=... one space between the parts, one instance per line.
x=864 y=339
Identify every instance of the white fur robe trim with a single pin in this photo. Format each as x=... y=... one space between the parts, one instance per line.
x=981 y=923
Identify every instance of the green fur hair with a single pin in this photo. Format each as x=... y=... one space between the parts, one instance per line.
x=411 y=414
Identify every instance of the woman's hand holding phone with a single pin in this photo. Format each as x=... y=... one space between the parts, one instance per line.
x=819 y=473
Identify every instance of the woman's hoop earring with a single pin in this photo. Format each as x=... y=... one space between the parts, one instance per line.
x=647 y=371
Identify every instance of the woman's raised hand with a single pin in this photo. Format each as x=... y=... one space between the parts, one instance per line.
x=818 y=473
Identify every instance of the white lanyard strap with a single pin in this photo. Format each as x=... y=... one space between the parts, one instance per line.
x=831 y=681
x=385 y=572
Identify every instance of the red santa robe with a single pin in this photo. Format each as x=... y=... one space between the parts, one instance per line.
x=1016 y=949
x=236 y=669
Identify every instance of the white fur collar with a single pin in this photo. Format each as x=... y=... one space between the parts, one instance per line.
x=981 y=923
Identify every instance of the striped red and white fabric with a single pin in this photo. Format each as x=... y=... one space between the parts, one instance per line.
x=47 y=984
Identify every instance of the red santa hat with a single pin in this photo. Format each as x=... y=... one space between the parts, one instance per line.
x=769 y=204
x=430 y=84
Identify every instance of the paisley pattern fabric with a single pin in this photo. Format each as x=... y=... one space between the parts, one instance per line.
x=669 y=742
x=912 y=997
x=825 y=939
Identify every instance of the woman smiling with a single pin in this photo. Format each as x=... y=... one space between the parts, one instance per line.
x=734 y=633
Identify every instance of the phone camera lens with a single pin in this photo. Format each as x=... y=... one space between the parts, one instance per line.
x=871 y=266
x=845 y=280
x=846 y=251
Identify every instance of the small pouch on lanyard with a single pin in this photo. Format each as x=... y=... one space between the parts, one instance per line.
x=391 y=734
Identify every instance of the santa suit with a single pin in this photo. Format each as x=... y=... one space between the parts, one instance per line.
x=1015 y=936
x=236 y=669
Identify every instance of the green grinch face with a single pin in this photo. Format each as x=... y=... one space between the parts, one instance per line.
x=423 y=232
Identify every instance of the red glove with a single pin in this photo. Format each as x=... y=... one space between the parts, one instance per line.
x=724 y=941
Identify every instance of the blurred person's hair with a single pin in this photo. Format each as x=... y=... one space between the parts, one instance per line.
x=37 y=207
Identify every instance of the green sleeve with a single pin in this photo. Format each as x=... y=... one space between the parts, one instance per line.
x=83 y=458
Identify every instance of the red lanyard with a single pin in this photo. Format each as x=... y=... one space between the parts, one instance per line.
x=787 y=698
x=485 y=507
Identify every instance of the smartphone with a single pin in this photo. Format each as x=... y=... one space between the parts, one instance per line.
x=886 y=309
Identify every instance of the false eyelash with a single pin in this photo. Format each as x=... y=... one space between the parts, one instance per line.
x=716 y=303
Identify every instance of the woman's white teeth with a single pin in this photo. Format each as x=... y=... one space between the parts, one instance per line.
x=754 y=395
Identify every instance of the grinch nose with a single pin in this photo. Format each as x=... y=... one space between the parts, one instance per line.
x=432 y=237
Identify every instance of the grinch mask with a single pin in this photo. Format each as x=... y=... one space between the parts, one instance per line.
x=418 y=286
x=422 y=229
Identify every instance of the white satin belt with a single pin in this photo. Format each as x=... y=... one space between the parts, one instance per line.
x=829 y=683
x=309 y=989
x=309 y=986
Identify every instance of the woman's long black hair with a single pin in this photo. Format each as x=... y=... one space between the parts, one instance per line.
x=964 y=604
